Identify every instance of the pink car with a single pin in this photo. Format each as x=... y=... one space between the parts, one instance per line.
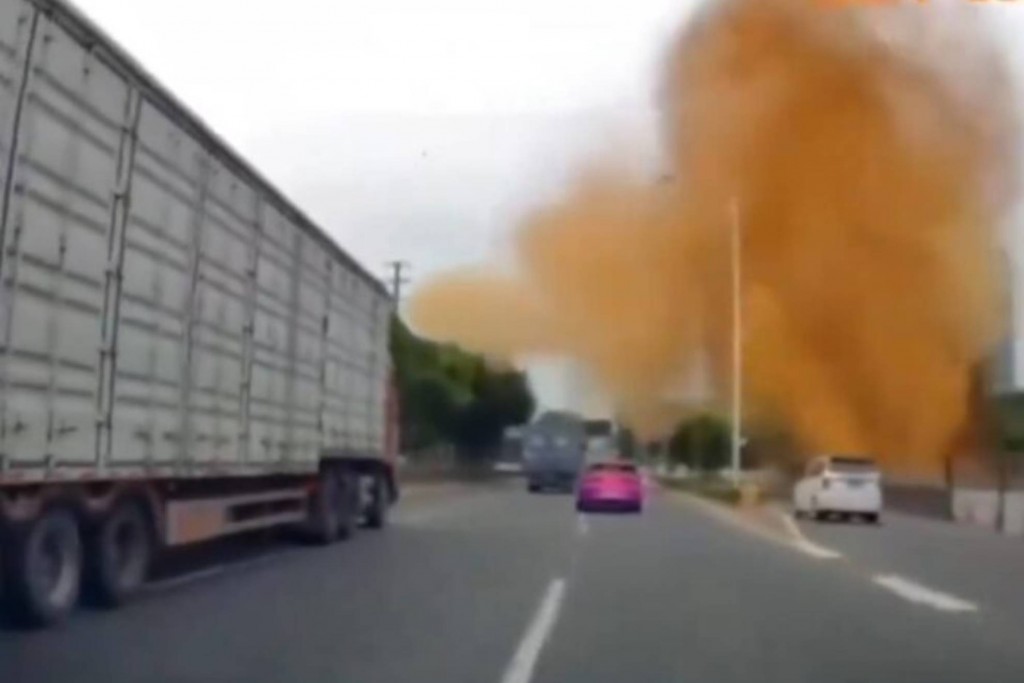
x=611 y=486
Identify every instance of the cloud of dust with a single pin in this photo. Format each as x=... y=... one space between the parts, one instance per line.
x=871 y=155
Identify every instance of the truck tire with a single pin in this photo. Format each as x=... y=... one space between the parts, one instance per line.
x=118 y=553
x=348 y=505
x=323 y=522
x=43 y=568
x=377 y=506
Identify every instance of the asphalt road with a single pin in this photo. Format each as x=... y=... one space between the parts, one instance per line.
x=494 y=585
x=978 y=565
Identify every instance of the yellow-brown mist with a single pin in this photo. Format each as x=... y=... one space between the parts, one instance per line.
x=870 y=173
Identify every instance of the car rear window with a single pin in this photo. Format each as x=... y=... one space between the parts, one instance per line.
x=613 y=467
x=851 y=464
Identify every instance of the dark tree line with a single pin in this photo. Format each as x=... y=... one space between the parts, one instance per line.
x=450 y=396
x=702 y=443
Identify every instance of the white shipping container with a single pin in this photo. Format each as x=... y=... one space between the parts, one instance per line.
x=163 y=310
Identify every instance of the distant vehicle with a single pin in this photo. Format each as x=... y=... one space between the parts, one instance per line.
x=611 y=487
x=602 y=441
x=554 y=448
x=512 y=446
x=839 y=485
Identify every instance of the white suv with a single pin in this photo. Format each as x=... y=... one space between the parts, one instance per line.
x=839 y=485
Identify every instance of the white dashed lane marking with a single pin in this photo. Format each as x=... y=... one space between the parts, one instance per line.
x=520 y=668
x=922 y=595
x=805 y=545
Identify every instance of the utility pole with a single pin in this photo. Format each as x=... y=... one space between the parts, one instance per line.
x=737 y=340
x=397 y=277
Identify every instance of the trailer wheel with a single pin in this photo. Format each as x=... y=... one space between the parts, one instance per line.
x=323 y=524
x=348 y=502
x=118 y=553
x=43 y=567
x=377 y=507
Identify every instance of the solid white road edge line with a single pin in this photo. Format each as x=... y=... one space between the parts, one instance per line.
x=794 y=538
x=922 y=595
x=805 y=545
x=520 y=669
x=582 y=524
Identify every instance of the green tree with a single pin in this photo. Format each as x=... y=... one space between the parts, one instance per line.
x=501 y=398
x=700 y=442
x=432 y=409
x=447 y=395
x=430 y=393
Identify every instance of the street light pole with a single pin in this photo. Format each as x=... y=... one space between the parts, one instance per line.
x=737 y=338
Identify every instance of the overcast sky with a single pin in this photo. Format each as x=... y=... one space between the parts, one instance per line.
x=410 y=129
x=413 y=129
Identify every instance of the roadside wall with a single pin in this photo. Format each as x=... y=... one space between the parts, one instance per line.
x=974 y=500
x=981 y=508
x=922 y=500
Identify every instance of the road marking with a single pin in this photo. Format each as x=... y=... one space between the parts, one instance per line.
x=922 y=595
x=582 y=524
x=520 y=669
x=794 y=538
x=804 y=544
x=727 y=516
x=816 y=551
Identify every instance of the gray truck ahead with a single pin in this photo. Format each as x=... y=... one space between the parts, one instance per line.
x=554 y=451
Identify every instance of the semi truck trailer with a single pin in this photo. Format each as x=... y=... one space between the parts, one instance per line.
x=183 y=353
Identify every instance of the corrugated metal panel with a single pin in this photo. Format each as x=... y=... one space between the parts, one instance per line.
x=17 y=32
x=57 y=247
x=311 y=312
x=167 y=189
x=161 y=306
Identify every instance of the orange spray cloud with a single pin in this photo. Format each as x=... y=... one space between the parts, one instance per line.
x=871 y=168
